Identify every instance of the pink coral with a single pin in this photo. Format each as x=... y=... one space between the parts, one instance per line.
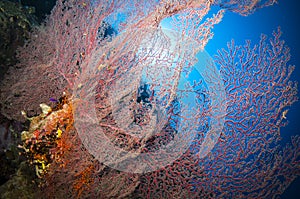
x=70 y=52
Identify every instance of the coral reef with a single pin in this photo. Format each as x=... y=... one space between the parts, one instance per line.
x=111 y=116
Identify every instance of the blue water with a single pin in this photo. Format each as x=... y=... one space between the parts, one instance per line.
x=286 y=15
x=263 y=21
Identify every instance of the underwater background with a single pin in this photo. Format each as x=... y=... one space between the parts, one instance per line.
x=284 y=14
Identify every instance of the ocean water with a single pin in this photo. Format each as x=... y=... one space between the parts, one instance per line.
x=266 y=20
x=284 y=14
